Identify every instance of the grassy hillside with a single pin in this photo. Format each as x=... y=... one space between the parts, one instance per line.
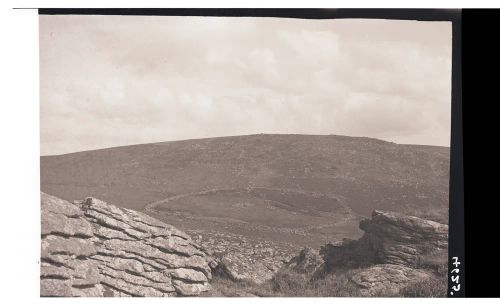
x=284 y=187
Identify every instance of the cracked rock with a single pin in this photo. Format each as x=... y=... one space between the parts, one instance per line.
x=90 y=248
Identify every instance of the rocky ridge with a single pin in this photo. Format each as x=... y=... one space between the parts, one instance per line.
x=91 y=248
x=384 y=260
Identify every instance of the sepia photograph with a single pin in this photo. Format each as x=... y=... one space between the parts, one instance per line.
x=244 y=156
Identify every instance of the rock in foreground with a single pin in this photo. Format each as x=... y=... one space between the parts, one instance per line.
x=243 y=259
x=386 y=279
x=385 y=259
x=92 y=248
x=308 y=261
x=390 y=238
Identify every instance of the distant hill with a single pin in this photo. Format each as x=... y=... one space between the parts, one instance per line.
x=282 y=187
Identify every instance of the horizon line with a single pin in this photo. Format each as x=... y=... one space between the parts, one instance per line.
x=241 y=135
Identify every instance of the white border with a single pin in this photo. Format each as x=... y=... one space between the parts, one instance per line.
x=19 y=160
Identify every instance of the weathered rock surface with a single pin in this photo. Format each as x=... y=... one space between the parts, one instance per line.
x=386 y=279
x=241 y=268
x=384 y=259
x=390 y=238
x=92 y=248
x=244 y=259
x=308 y=261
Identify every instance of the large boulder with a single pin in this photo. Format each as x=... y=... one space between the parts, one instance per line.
x=389 y=238
x=386 y=259
x=242 y=268
x=243 y=259
x=386 y=279
x=91 y=248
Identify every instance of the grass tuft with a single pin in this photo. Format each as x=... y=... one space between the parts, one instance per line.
x=431 y=288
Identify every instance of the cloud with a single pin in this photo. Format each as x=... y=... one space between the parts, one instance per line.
x=119 y=80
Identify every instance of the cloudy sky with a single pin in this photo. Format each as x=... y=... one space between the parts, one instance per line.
x=118 y=80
